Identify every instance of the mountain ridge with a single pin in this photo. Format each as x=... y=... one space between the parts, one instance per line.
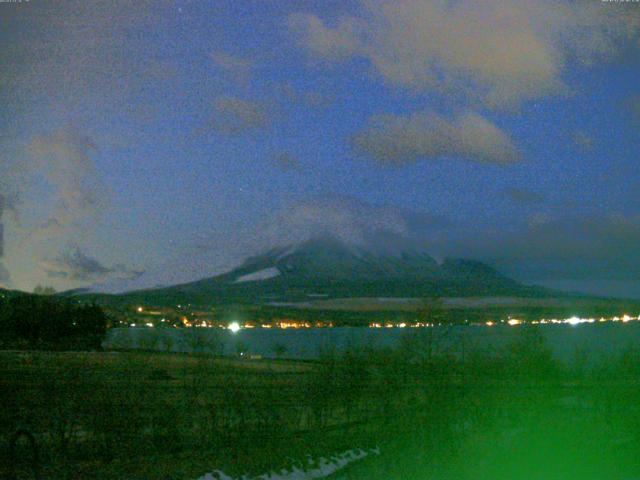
x=329 y=267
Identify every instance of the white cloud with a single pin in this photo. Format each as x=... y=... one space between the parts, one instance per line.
x=402 y=139
x=501 y=52
x=350 y=220
x=54 y=196
x=8 y=201
x=64 y=159
x=355 y=222
x=335 y=43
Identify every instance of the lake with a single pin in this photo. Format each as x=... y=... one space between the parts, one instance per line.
x=307 y=343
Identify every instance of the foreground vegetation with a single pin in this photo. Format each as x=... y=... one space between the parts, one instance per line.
x=513 y=413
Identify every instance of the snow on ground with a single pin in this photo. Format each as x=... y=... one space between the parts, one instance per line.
x=264 y=274
x=320 y=468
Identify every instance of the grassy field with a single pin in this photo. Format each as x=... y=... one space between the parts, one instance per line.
x=148 y=415
x=511 y=414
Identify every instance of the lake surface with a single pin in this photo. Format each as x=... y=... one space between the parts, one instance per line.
x=595 y=340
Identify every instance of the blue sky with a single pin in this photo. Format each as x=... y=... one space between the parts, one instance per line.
x=154 y=142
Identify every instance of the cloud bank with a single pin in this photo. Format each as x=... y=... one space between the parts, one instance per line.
x=354 y=222
x=498 y=52
x=560 y=247
x=60 y=193
x=11 y=182
x=64 y=158
x=75 y=266
x=553 y=247
x=397 y=140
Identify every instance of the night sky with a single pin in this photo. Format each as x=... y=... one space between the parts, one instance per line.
x=148 y=142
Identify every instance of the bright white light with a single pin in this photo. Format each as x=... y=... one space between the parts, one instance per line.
x=573 y=321
x=234 y=327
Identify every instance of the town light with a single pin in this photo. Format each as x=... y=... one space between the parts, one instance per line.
x=573 y=321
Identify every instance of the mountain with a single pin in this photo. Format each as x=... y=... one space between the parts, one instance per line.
x=325 y=267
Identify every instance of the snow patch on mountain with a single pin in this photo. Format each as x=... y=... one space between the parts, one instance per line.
x=263 y=274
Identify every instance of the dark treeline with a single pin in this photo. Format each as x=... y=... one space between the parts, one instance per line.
x=35 y=321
